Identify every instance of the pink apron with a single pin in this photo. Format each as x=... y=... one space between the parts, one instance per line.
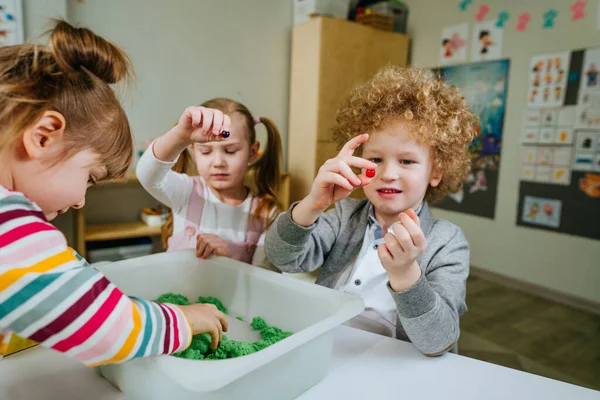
x=187 y=239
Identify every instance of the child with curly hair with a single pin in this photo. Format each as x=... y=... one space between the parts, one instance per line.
x=409 y=268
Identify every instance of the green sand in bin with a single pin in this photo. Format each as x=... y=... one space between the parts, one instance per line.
x=200 y=347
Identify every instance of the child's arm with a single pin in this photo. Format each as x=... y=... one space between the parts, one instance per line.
x=196 y=125
x=301 y=238
x=50 y=295
x=429 y=306
x=165 y=185
x=259 y=258
x=295 y=248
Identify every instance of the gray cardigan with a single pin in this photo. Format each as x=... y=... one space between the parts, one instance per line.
x=428 y=312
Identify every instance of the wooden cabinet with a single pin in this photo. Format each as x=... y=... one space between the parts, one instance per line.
x=329 y=56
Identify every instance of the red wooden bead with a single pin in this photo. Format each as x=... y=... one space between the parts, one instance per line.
x=370 y=173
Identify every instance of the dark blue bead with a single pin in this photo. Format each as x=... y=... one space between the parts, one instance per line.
x=225 y=134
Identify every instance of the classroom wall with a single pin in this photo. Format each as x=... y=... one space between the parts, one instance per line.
x=36 y=15
x=188 y=51
x=560 y=262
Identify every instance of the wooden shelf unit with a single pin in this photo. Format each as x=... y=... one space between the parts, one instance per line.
x=119 y=230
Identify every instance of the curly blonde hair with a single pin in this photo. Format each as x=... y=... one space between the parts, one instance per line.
x=437 y=112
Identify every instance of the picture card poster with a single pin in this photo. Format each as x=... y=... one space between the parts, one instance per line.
x=486 y=42
x=453 y=44
x=559 y=187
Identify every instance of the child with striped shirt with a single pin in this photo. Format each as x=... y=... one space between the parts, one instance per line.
x=213 y=211
x=61 y=130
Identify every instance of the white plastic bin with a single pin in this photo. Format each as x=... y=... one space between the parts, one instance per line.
x=282 y=371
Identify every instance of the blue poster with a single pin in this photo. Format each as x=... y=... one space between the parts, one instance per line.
x=485 y=86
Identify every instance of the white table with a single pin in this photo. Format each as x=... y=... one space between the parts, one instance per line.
x=364 y=366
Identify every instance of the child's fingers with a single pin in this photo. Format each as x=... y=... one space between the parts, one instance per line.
x=413 y=215
x=223 y=320
x=338 y=166
x=347 y=173
x=358 y=162
x=209 y=244
x=208 y=250
x=219 y=326
x=226 y=123
x=402 y=236
x=217 y=122
x=364 y=180
x=415 y=232
x=353 y=144
x=333 y=178
x=202 y=244
x=215 y=336
x=194 y=114
x=393 y=245
x=207 y=119
x=384 y=254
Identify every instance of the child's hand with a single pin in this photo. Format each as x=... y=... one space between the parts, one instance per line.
x=400 y=251
x=201 y=124
x=336 y=180
x=206 y=318
x=196 y=125
x=207 y=245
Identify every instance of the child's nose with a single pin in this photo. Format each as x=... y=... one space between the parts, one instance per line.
x=389 y=172
x=219 y=160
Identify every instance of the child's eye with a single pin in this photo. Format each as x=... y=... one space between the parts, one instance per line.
x=376 y=160
x=91 y=181
x=406 y=162
x=205 y=152
x=230 y=151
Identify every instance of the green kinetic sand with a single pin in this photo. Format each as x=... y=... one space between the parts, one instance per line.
x=200 y=347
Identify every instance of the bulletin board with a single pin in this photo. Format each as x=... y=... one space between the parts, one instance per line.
x=485 y=87
x=559 y=188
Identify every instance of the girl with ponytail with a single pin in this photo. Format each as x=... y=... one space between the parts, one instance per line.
x=214 y=212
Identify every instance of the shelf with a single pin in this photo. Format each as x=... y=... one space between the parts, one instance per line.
x=129 y=178
x=121 y=230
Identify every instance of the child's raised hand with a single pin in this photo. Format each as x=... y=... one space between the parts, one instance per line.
x=196 y=125
x=208 y=244
x=206 y=318
x=201 y=124
x=400 y=251
x=336 y=180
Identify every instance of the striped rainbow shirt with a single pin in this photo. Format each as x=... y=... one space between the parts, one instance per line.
x=49 y=294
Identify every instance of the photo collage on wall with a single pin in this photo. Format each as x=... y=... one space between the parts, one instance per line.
x=560 y=144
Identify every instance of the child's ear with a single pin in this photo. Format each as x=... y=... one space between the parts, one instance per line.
x=254 y=147
x=436 y=178
x=45 y=136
